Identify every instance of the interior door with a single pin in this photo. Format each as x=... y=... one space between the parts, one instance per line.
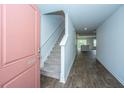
x=19 y=40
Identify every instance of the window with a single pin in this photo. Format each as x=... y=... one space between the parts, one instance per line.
x=94 y=42
x=81 y=42
x=84 y=42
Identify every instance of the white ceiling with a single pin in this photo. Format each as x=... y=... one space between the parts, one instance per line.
x=83 y=15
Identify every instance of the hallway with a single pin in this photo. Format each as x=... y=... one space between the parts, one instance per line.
x=85 y=73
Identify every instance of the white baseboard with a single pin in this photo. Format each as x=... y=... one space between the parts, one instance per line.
x=115 y=75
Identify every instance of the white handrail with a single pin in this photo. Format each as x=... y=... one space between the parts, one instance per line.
x=61 y=24
x=64 y=40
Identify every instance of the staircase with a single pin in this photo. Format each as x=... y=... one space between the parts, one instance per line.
x=52 y=65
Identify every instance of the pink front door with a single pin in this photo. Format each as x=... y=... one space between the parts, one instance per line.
x=19 y=45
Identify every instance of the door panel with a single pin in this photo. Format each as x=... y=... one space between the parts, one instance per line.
x=19 y=58
x=20 y=24
x=26 y=79
x=12 y=70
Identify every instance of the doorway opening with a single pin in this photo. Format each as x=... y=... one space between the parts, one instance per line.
x=52 y=33
x=86 y=42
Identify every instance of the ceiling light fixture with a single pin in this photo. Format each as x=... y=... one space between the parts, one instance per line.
x=85 y=28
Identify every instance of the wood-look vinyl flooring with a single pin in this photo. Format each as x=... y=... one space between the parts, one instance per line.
x=85 y=73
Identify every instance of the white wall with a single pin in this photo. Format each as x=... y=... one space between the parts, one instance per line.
x=110 y=44
x=68 y=49
x=51 y=28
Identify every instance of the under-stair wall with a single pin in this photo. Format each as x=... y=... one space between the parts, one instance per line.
x=68 y=49
x=51 y=29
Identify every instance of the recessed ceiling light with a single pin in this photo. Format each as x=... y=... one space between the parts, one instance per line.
x=85 y=28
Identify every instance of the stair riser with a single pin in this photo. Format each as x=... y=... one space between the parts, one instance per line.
x=54 y=59
x=51 y=67
x=55 y=52
x=56 y=48
x=53 y=63
x=56 y=55
x=52 y=75
x=51 y=70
